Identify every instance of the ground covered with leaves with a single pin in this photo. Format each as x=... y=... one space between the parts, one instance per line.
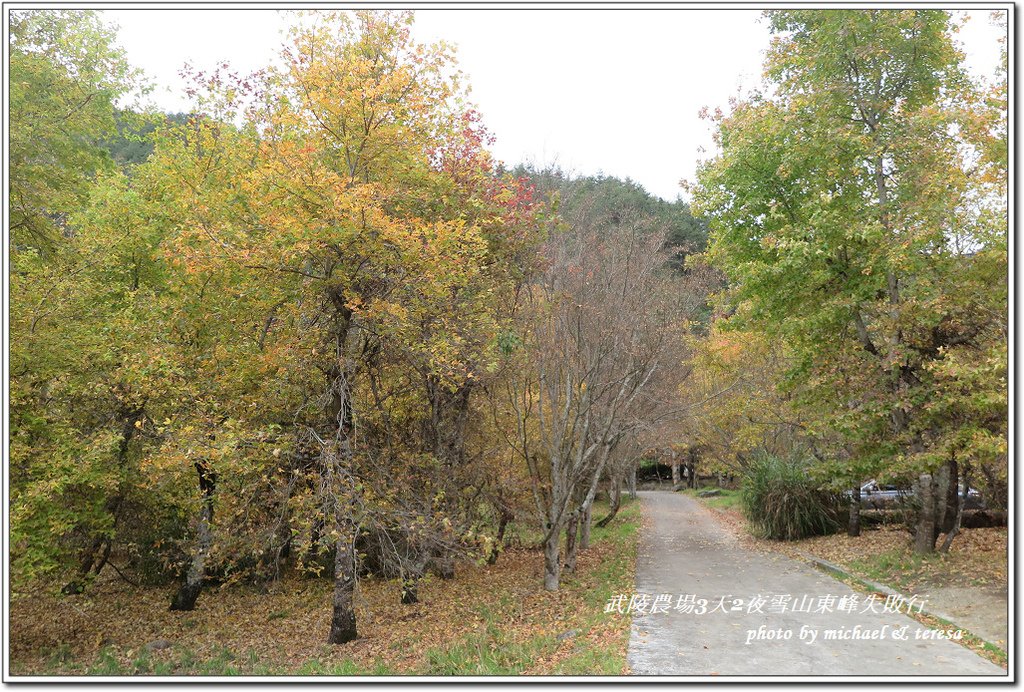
x=884 y=553
x=977 y=557
x=489 y=620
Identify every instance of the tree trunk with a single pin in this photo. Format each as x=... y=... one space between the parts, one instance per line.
x=958 y=517
x=187 y=595
x=676 y=480
x=410 y=586
x=691 y=468
x=343 y=616
x=854 y=527
x=85 y=566
x=940 y=486
x=104 y=555
x=336 y=469
x=94 y=558
x=551 y=564
x=496 y=548
x=570 y=543
x=924 y=541
x=631 y=478
x=585 y=526
x=952 y=498
x=615 y=491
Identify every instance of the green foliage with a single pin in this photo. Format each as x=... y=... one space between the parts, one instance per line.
x=65 y=74
x=854 y=227
x=86 y=401
x=782 y=502
x=616 y=201
x=87 y=304
x=133 y=142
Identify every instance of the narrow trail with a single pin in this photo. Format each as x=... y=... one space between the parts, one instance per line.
x=750 y=597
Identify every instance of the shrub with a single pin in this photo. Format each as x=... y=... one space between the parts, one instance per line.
x=782 y=501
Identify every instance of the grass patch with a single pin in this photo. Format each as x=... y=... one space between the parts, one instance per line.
x=726 y=499
x=782 y=502
x=978 y=558
x=220 y=663
x=903 y=569
x=490 y=653
x=572 y=635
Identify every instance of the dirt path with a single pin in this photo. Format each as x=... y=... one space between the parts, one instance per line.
x=763 y=614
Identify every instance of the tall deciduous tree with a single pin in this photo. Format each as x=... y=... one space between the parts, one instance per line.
x=601 y=332
x=347 y=201
x=847 y=212
x=80 y=396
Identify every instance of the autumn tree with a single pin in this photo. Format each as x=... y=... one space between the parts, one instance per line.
x=345 y=205
x=847 y=213
x=595 y=358
x=737 y=407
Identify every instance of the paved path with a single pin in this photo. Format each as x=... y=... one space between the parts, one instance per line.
x=684 y=551
x=982 y=610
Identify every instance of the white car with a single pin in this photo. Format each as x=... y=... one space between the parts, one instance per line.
x=879 y=496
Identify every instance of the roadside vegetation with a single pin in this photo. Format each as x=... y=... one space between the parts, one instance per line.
x=780 y=500
x=865 y=323
x=489 y=620
x=312 y=332
x=884 y=551
x=978 y=559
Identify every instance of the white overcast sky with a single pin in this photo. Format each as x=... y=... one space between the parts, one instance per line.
x=613 y=91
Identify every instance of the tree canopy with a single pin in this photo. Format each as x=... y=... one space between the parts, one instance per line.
x=857 y=215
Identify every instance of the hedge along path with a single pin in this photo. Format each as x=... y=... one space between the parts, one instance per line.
x=683 y=551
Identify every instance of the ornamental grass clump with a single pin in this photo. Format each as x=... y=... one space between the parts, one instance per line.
x=781 y=500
